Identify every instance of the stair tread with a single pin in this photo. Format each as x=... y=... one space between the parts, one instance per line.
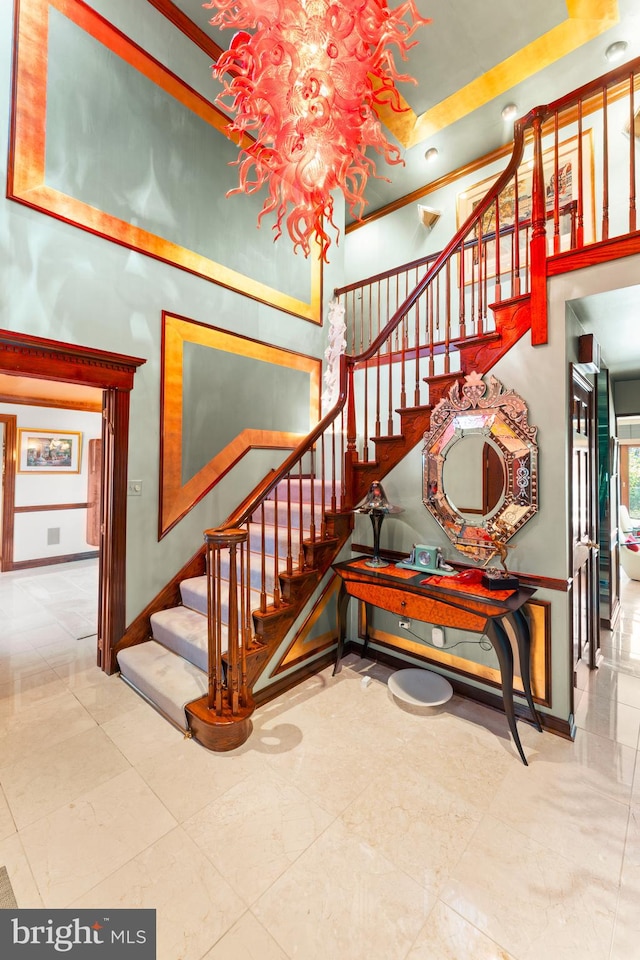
x=162 y=676
x=194 y=594
x=184 y=632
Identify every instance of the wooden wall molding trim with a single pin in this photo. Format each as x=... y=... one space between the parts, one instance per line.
x=45 y=561
x=301 y=648
x=26 y=181
x=178 y=498
x=45 y=359
x=42 y=507
x=8 y=488
x=187 y=27
x=553 y=724
x=86 y=406
x=28 y=356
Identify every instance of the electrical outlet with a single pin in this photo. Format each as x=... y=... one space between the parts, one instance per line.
x=404 y=624
x=437 y=637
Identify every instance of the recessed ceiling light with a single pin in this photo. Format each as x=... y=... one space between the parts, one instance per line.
x=431 y=154
x=616 y=51
x=510 y=112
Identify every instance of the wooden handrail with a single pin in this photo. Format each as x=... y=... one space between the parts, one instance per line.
x=262 y=490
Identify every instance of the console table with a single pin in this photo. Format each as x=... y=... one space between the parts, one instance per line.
x=458 y=601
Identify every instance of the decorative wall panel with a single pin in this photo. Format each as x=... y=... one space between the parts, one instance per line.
x=224 y=395
x=106 y=138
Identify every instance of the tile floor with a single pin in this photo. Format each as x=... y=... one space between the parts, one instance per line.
x=346 y=827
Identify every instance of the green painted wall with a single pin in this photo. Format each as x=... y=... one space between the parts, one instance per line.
x=60 y=282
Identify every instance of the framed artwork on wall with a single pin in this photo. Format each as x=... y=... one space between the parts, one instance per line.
x=568 y=196
x=49 y=451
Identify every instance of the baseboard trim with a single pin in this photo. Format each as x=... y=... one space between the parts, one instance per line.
x=561 y=728
x=293 y=679
x=47 y=561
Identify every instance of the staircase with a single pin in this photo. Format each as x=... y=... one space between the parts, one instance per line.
x=170 y=670
x=198 y=649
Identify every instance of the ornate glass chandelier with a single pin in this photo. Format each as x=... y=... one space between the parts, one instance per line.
x=304 y=85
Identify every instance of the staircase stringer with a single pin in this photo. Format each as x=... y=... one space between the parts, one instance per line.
x=513 y=320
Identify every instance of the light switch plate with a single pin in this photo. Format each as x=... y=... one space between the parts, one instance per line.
x=134 y=488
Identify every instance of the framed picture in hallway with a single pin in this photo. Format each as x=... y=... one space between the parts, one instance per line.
x=48 y=451
x=570 y=189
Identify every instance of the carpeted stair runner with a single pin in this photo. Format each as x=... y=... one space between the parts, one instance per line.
x=170 y=669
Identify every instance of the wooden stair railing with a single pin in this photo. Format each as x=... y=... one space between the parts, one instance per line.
x=540 y=231
x=475 y=299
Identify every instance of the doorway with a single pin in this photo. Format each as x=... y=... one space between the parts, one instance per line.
x=38 y=358
x=583 y=523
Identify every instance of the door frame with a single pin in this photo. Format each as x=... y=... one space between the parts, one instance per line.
x=26 y=356
x=577 y=378
x=8 y=468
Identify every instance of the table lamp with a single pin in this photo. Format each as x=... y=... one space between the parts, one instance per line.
x=377 y=506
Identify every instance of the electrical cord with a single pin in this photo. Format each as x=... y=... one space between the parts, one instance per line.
x=483 y=643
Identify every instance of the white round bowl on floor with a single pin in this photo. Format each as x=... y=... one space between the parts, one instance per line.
x=420 y=688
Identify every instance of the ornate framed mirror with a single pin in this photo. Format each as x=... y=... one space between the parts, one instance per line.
x=480 y=465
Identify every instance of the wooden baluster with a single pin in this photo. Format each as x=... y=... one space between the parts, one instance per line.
x=482 y=266
x=289 y=540
x=351 y=453
x=377 y=426
x=403 y=360
x=217 y=613
x=215 y=541
x=472 y=286
x=497 y=296
x=323 y=492
x=390 y=403
x=516 y=234
x=263 y=570
x=556 y=188
x=343 y=455
x=300 y=520
x=538 y=241
x=233 y=690
x=334 y=504
x=416 y=389
x=212 y=606
x=312 y=495
x=351 y=329
x=632 y=158
x=447 y=331
x=245 y=618
x=461 y=307
x=390 y=387
x=431 y=345
x=276 y=550
x=605 y=166
x=365 y=399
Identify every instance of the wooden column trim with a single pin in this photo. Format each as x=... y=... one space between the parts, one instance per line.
x=8 y=489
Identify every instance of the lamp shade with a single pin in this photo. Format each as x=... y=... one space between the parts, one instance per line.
x=376 y=499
